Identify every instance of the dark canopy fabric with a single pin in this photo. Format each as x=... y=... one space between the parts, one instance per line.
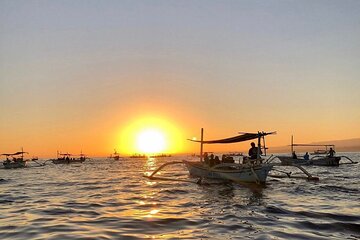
x=13 y=154
x=240 y=138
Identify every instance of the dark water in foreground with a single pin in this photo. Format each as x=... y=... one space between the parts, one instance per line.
x=105 y=199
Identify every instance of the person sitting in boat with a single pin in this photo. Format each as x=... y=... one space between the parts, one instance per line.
x=253 y=151
x=306 y=156
x=294 y=156
x=206 y=158
x=227 y=159
x=216 y=160
x=211 y=160
x=331 y=152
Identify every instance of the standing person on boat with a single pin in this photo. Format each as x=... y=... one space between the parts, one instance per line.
x=253 y=151
x=294 y=156
x=331 y=152
x=306 y=156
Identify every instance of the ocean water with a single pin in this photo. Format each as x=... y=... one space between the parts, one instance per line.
x=107 y=199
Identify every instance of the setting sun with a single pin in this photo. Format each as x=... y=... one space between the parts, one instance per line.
x=149 y=135
x=151 y=141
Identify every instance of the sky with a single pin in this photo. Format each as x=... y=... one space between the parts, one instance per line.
x=91 y=75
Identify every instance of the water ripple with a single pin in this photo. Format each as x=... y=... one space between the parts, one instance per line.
x=104 y=199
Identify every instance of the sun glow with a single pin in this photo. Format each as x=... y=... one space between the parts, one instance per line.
x=150 y=135
x=151 y=141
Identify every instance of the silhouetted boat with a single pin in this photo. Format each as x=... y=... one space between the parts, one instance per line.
x=66 y=158
x=315 y=160
x=249 y=171
x=323 y=157
x=115 y=155
x=138 y=156
x=160 y=155
x=252 y=171
x=14 y=160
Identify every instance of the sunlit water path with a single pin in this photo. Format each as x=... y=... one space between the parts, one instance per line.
x=107 y=199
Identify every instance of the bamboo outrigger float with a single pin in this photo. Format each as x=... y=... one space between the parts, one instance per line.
x=254 y=170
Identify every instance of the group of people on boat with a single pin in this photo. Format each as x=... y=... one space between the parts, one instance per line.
x=307 y=156
x=213 y=160
x=14 y=160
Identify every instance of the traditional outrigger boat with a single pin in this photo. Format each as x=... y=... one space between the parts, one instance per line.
x=323 y=157
x=249 y=171
x=160 y=155
x=138 y=156
x=115 y=155
x=66 y=158
x=15 y=160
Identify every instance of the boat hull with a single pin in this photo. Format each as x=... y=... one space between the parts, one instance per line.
x=320 y=161
x=245 y=174
x=9 y=165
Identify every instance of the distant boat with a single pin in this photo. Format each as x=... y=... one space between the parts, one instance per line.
x=14 y=160
x=323 y=157
x=66 y=158
x=138 y=156
x=115 y=155
x=316 y=160
x=160 y=155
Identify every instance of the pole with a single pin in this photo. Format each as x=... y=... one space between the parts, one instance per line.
x=259 y=146
x=292 y=144
x=201 y=145
x=263 y=137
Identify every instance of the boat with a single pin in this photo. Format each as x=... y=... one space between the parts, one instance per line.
x=246 y=171
x=323 y=157
x=138 y=156
x=249 y=171
x=67 y=158
x=115 y=155
x=160 y=155
x=316 y=160
x=15 y=160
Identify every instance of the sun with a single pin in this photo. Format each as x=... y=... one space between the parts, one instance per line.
x=150 y=141
x=150 y=135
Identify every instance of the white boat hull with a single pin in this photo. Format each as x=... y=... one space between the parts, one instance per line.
x=255 y=174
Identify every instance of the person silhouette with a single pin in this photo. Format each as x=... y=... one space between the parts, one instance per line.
x=253 y=151
x=331 y=152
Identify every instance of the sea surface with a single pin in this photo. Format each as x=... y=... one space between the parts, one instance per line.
x=108 y=199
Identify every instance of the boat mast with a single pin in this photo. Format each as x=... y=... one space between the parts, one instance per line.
x=201 y=144
x=263 y=137
x=259 y=145
x=292 y=144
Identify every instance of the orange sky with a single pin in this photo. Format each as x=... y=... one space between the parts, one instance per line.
x=81 y=80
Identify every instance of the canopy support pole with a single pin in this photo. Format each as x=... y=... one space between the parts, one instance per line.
x=201 y=144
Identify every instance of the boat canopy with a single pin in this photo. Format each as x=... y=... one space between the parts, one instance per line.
x=313 y=145
x=240 y=138
x=13 y=154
